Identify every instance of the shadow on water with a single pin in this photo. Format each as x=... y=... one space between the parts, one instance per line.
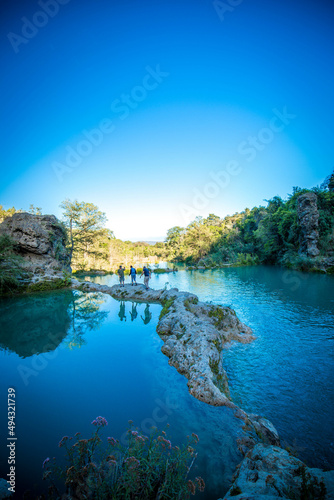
x=38 y=323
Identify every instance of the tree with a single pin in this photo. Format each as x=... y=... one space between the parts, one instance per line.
x=6 y=213
x=35 y=210
x=84 y=222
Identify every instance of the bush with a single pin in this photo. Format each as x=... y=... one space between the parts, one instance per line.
x=149 y=467
x=246 y=259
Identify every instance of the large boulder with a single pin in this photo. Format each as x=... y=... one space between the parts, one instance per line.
x=40 y=240
x=308 y=216
x=269 y=472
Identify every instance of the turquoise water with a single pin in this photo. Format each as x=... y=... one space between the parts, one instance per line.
x=74 y=356
x=287 y=374
x=71 y=357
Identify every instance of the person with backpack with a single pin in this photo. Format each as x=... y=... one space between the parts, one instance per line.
x=133 y=274
x=147 y=274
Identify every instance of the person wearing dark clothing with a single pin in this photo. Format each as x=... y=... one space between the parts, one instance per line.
x=147 y=274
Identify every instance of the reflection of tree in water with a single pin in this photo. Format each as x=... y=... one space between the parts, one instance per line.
x=85 y=316
x=147 y=315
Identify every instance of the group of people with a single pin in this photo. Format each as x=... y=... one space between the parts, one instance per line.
x=133 y=274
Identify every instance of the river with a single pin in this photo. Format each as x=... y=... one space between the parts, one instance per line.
x=73 y=356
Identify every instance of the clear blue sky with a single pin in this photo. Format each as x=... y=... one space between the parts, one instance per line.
x=168 y=96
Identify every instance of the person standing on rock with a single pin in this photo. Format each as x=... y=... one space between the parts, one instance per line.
x=147 y=274
x=133 y=274
x=120 y=273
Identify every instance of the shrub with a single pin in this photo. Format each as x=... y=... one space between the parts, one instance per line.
x=167 y=304
x=149 y=467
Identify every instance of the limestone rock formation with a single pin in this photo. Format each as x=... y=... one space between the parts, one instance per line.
x=308 y=216
x=194 y=334
x=40 y=240
x=269 y=472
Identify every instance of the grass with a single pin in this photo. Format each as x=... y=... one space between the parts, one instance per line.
x=219 y=317
x=167 y=304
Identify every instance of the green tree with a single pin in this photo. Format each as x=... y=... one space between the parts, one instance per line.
x=35 y=210
x=84 y=222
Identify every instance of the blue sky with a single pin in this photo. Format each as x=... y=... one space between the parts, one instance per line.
x=159 y=111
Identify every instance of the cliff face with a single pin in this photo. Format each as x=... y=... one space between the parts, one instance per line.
x=40 y=240
x=308 y=215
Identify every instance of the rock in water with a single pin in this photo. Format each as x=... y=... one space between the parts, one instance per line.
x=308 y=216
x=40 y=240
x=269 y=472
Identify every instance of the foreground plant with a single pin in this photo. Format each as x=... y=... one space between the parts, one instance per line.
x=149 y=467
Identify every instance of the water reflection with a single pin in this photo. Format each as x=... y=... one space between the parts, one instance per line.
x=34 y=324
x=121 y=313
x=147 y=315
x=133 y=313
x=86 y=315
x=38 y=323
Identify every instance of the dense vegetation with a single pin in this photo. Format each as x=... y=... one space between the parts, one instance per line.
x=269 y=235
x=143 y=468
x=266 y=234
x=91 y=245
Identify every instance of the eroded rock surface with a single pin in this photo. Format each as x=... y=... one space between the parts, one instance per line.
x=194 y=334
x=40 y=240
x=269 y=472
x=308 y=218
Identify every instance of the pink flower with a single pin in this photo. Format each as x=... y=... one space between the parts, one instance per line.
x=63 y=441
x=100 y=422
x=45 y=462
x=195 y=437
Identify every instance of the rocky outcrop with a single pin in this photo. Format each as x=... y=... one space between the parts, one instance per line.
x=194 y=334
x=308 y=216
x=269 y=472
x=40 y=240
